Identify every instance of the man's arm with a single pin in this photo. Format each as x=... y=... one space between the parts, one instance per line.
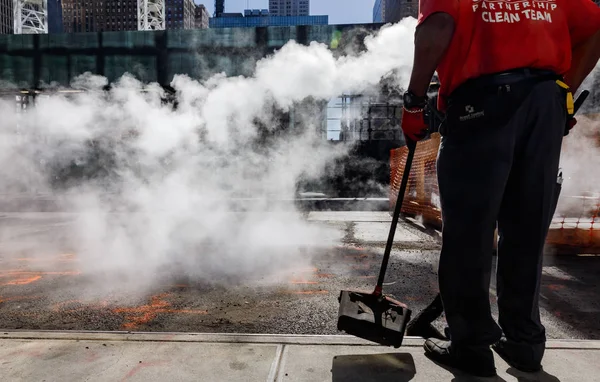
x=432 y=39
x=585 y=58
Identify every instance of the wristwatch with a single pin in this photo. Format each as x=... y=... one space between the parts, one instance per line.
x=412 y=101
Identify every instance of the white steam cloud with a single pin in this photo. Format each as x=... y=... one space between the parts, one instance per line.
x=580 y=160
x=167 y=199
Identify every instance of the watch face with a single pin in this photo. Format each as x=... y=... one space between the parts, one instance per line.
x=409 y=99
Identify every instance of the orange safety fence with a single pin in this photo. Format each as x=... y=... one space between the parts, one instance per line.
x=579 y=233
x=569 y=232
x=422 y=193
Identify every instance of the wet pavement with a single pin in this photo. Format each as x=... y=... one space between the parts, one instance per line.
x=50 y=291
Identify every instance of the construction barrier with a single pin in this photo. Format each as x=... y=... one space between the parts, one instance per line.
x=568 y=233
x=422 y=193
x=577 y=234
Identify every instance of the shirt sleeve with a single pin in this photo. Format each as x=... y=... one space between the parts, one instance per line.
x=429 y=7
x=584 y=20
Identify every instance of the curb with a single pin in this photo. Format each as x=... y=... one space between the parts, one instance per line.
x=315 y=340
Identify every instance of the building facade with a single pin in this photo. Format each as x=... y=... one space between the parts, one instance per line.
x=239 y=21
x=180 y=14
x=121 y=15
x=392 y=11
x=99 y=16
x=400 y=9
x=6 y=17
x=55 y=16
x=202 y=17
x=379 y=11
x=289 y=7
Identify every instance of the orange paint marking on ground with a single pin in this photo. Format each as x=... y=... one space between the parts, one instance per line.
x=305 y=276
x=18 y=272
x=187 y=311
x=21 y=281
x=19 y=298
x=134 y=316
x=306 y=270
x=140 y=315
x=142 y=365
x=18 y=277
x=29 y=353
x=303 y=282
x=66 y=257
x=91 y=356
x=309 y=292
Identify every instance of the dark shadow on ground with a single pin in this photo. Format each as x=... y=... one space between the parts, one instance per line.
x=570 y=291
x=541 y=376
x=391 y=367
x=468 y=378
x=462 y=377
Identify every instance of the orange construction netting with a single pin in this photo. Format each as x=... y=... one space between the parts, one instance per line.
x=422 y=193
x=580 y=233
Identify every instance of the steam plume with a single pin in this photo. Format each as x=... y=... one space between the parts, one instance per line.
x=164 y=200
x=580 y=159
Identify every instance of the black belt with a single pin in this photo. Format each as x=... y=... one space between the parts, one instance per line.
x=490 y=82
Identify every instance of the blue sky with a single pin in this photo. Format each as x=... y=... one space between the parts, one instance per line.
x=339 y=11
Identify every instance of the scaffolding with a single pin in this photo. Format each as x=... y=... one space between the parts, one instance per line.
x=30 y=16
x=151 y=15
x=365 y=118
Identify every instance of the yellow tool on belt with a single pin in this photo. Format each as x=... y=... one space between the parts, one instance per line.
x=570 y=101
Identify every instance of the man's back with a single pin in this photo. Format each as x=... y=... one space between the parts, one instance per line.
x=496 y=36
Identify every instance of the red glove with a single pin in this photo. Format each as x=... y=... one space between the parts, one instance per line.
x=413 y=123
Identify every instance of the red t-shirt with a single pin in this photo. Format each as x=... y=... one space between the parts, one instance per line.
x=497 y=35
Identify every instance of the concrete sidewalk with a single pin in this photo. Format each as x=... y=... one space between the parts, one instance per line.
x=119 y=356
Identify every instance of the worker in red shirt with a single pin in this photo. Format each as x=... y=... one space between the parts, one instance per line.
x=505 y=68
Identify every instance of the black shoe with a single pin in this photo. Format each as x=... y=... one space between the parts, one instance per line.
x=477 y=361
x=526 y=358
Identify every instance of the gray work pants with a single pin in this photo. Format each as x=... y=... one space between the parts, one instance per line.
x=507 y=175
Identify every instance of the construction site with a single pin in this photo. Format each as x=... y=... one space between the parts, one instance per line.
x=188 y=204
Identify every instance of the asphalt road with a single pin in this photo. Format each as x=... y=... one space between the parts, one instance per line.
x=49 y=290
